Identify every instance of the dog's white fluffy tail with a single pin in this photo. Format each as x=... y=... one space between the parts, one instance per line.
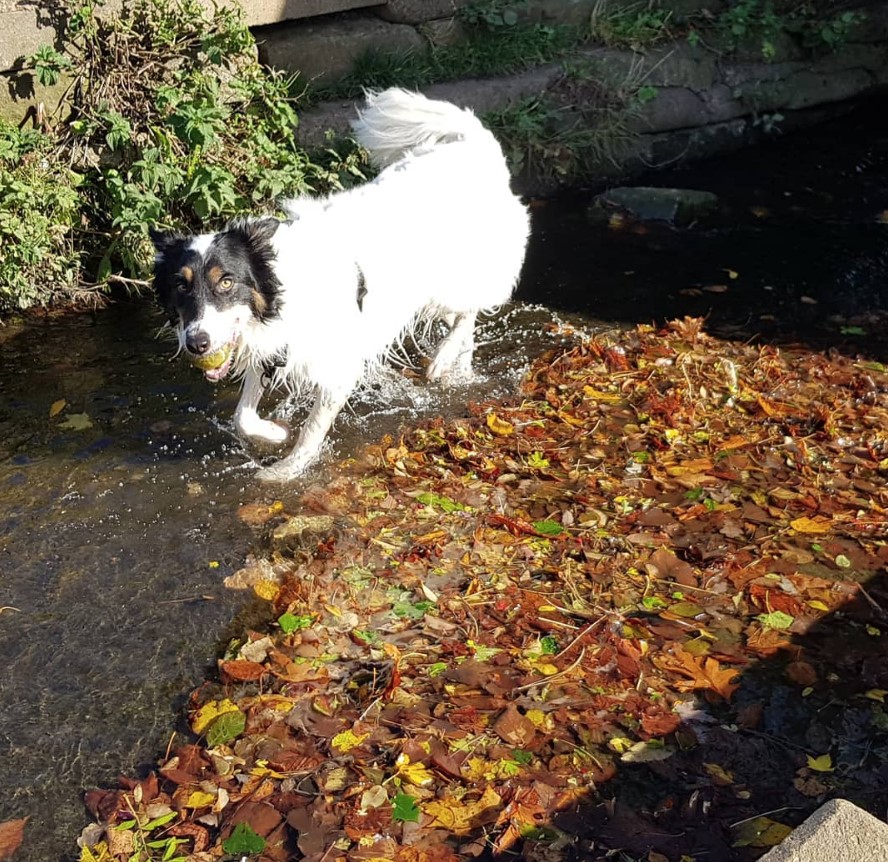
x=396 y=122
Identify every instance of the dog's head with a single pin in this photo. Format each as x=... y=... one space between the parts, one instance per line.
x=211 y=286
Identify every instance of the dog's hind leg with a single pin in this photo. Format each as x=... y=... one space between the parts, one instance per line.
x=247 y=421
x=328 y=403
x=453 y=358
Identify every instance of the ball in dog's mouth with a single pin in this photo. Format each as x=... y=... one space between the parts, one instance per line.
x=214 y=365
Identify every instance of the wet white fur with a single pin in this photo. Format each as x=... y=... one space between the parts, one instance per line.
x=438 y=234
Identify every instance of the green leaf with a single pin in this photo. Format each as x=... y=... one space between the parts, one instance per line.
x=776 y=620
x=405 y=808
x=436 y=669
x=443 y=503
x=519 y=755
x=411 y=611
x=548 y=645
x=293 y=622
x=653 y=603
x=243 y=840
x=686 y=609
x=226 y=727
x=548 y=528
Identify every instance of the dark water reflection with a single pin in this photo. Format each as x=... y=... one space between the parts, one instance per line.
x=117 y=519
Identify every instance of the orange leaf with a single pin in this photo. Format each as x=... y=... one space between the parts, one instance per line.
x=11 y=834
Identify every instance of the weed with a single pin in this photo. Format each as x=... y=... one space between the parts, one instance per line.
x=493 y=14
x=38 y=211
x=638 y=27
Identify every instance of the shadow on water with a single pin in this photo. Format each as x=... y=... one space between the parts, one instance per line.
x=798 y=251
x=117 y=521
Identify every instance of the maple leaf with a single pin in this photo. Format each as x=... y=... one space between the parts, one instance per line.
x=701 y=672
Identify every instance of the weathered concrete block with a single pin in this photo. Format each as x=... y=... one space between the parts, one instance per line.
x=418 y=11
x=671 y=108
x=21 y=34
x=838 y=831
x=327 y=49
x=21 y=94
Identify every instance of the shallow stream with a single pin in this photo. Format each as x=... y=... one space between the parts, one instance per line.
x=120 y=474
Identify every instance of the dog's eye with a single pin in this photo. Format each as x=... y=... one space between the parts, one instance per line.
x=183 y=286
x=225 y=283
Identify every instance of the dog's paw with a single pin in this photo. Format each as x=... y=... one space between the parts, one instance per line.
x=286 y=470
x=263 y=430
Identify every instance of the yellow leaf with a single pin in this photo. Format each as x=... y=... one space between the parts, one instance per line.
x=460 y=817
x=876 y=694
x=267 y=590
x=816 y=525
x=209 y=712
x=598 y=395
x=347 y=740
x=720 y=775
x=620 y=744
x=732 y=274
x=477 y=768
x=413 y=773
x=200 y=799
x=818 y=605
x=545 y=668
x=820 y=764
x=499 y=426
x=213 y=564
x=539 y=719
x=57 y=407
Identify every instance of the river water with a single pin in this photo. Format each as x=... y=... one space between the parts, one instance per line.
x=120 y=473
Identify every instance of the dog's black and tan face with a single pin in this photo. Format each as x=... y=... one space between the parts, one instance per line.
x=212 y=285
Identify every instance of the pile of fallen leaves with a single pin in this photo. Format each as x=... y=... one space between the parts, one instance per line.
x=637 y=609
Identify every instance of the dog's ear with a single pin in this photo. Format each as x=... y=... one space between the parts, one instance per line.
x=261 y=230
x=164 y=241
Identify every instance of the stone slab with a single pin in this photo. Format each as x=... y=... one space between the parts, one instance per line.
x=328 y=48
x=837 y=832
x=21 y=34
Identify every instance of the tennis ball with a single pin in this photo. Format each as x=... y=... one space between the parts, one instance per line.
x=209 y=361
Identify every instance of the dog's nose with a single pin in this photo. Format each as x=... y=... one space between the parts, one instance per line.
x=197 y=342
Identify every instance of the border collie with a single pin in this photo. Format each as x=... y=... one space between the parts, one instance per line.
x=312 y=301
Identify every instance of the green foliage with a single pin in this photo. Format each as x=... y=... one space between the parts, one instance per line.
x=38 y=212
x=405 y=808
x=171 y=121
x=493 y=14
x=638 y=27
x=243 y=840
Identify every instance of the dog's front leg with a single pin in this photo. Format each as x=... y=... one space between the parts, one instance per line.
x=247 y=421
x=326 y=406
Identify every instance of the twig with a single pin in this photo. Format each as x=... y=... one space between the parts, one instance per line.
x=871 y=600
x=764 y=814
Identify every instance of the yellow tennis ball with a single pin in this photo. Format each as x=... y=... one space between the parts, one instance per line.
x=209 y=361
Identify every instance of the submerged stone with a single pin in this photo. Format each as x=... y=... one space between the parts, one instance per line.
x=676 y=206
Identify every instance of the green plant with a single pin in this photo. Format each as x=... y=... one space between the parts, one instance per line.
x=170 y=119
x=832 y=33
x=751 y=20
x=491 y=13
x=38 y=212
x=638 y=27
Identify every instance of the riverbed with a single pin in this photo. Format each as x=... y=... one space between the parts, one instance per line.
x=121 y=474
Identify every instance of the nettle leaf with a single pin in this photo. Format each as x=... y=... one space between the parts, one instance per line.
x=225 y=728
x=443 y=503
x=405 y=808
x=411 y=611
x=548 y=528
x=293 y=622
x=548 y=645
x=243 y=840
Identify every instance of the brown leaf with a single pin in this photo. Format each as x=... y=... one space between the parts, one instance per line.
x=11 y=834
x=702 y=673
x=514 y=728
x=240 y=670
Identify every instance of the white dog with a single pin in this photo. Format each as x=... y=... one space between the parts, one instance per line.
x=311 y=301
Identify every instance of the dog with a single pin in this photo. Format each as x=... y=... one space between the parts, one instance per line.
x=314 y=300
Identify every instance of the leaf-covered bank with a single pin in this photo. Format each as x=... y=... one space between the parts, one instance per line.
x=641 y=608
